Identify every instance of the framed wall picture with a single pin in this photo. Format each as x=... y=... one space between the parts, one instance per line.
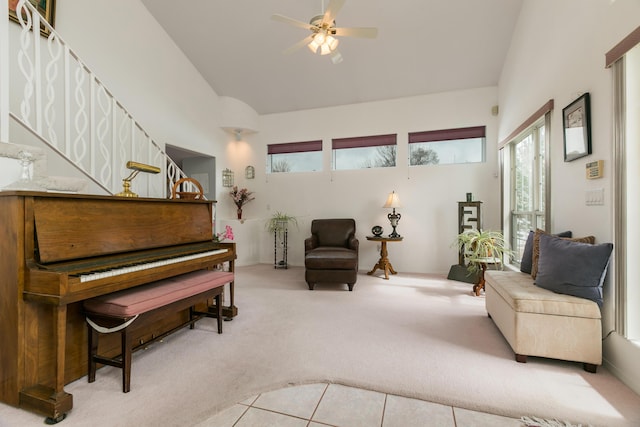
x=47 y=8
x=576 y=123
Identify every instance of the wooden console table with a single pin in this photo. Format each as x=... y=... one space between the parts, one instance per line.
x=383 y=262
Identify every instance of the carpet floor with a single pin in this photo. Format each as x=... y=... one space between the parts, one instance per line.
x=414 y=335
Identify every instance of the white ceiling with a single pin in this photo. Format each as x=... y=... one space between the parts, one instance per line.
x=423 y=46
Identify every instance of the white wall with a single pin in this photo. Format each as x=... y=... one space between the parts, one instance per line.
x=558 y=52
x=140 y=64
x=429 y=194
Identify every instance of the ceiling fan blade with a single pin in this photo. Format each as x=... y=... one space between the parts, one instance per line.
x=365 y=32
x=295 y=22
x=332 y=10
x=298 y=45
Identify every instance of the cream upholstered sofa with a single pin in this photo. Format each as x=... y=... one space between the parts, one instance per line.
x=551 y=308
x=543 y=323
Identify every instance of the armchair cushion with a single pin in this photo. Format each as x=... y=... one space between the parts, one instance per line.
x=335 y=258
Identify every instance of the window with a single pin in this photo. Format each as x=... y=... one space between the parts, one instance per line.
x=524 y=168
x=364 y=152
x=294 y=157
x=449 y=146
x=528 y=189
x=626 y=76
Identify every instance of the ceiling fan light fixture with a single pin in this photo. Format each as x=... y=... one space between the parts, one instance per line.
x=332 y=42
x=336 y=57
x=325 y=49
x=313 y=46
x=320 y=37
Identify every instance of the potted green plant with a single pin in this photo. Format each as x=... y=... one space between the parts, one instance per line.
x=278 y=225
x=482 y=247
x=279 y=222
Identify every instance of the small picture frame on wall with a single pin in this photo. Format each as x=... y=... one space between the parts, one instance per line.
x=576 y=124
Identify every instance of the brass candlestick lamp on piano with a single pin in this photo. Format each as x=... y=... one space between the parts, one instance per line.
x=136 y=168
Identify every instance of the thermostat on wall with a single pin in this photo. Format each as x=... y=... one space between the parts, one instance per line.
x=594 y=169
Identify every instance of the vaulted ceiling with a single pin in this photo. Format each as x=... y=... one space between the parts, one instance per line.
x=422 y=47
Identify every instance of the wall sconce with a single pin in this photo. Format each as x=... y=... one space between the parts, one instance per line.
x=227 y=178
x=249 y=172
x=393 y=201
x=136 y=168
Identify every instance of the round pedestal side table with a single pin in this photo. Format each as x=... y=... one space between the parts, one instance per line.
x=383 y=263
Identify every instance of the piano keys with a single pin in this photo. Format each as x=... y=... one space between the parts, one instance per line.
x=130 y=268
x=59 y=249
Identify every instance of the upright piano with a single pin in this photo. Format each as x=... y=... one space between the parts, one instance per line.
x=57 y=250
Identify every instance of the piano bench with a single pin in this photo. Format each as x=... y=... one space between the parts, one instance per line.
x=131 y=308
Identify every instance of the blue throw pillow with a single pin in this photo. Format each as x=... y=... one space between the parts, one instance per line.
x=527 y=254
x=573 y=268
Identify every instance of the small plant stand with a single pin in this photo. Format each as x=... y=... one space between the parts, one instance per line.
x=279 y=225
x=280 y=248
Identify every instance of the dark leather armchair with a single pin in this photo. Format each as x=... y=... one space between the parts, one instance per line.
x=331 y=253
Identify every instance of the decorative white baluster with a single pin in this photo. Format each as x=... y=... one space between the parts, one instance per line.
x=37 y=69
x=55 y=52
x=101 y=132
x=159 y=187
x=114 y=141
x=67 y=102
x=24 y=61
x=80 y=143
x=124 y=134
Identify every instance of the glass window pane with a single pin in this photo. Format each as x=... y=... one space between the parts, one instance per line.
x=523 y=171
x=309 y=161
x=364 y=157
x=455 y=151
x=521 y=226
x=542 y=182
x=527 y=187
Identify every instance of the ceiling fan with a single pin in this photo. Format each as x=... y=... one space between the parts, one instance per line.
x=324 y=31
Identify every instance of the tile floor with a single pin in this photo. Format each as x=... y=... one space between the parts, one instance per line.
x=321 y=405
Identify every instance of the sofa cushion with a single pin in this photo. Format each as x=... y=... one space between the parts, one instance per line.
x=518 y=290
x=527 y=254
x=573 y=268
x=536 y=248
